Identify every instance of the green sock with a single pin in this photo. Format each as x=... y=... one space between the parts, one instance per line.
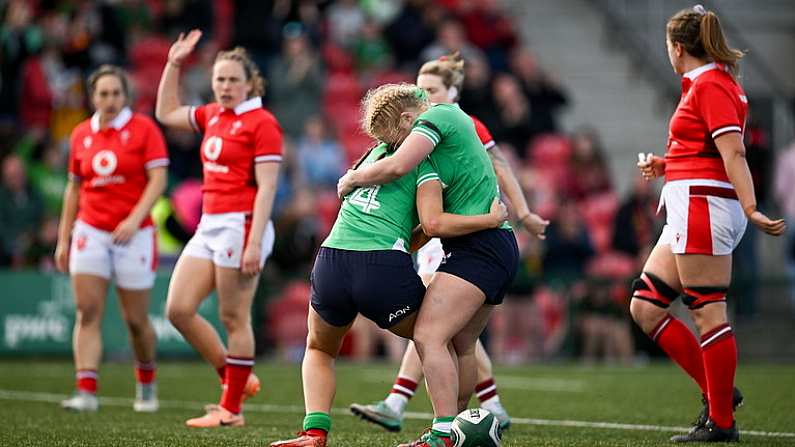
x=442 y=426
x=318 y=421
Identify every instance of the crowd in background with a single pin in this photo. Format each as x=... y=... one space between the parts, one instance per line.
x=319 y=57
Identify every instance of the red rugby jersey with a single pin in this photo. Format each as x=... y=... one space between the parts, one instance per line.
x=111 y=165
x=234 y=140
x=712 y=104
x=483 y=133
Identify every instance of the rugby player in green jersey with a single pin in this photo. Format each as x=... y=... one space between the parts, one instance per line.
x=442 y=79
x=477 y=268
x=364 y=265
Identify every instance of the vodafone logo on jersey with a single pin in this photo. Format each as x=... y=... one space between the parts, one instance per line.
x=212 y=150
x=104 y=163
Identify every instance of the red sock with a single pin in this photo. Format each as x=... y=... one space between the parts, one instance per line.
x=237 y=372
x=486 y=390
x=405 y=387
x=720 y=363
x=681 y=346
x=316 y=433
x=145 y=372
x=87 y=380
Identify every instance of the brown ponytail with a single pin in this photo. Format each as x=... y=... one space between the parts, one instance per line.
x=715 y=42
x=701 y=34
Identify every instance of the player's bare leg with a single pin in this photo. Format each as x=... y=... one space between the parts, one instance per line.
x=90 y=292
x=191 y=283
x=235 y=297
x=432 y=336
x=320 y=381
x=705 y=280
x=134 y=311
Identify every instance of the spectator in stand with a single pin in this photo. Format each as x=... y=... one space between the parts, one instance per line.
x=21 y=211
x=295 y=81
x=783 y=192
x=589 y=172
x=450 y=37
x=320 y=157
x=371 y=50
x=410 y=31
x=568 y=246
x=636 y=224
x=514 y=125
x=47 y=173
x=477 y=96
x=179 y=15
x=543 y=92
x=38 y=75
x=39 y=253
x=490 y=29
x=603 y=323
x=345 y=20
x=258 y=29
x=19 y=38
x=746 y=256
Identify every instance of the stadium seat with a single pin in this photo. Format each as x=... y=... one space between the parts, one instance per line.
x=548 y=150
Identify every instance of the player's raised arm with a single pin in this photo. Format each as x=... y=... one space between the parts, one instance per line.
x=169 y=110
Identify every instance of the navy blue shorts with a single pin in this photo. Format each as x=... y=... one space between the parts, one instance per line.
x=381 y=285
x=488 y=259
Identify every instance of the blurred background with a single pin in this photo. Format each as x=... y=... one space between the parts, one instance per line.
x=572 y=90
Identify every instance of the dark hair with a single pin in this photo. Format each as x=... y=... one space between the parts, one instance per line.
x=700 y=32
x=240 y=55
x=109 y=70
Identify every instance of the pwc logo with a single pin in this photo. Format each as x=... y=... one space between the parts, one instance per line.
x=212 y=148
x=104 y=163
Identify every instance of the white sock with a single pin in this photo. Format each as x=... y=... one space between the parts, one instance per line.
x=396 y=402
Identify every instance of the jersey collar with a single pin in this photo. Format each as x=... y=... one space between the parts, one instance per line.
x=248 y=105
x=120 y=121
x=696 y=72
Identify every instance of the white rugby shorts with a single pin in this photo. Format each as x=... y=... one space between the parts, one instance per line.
x=132 y=265
x=429 y=257
x=222 y=237
x=703 y=217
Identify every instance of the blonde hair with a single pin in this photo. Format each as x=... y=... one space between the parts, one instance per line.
x=701 y=34
x=239 y=54
x=450 y=68
x=382 y=106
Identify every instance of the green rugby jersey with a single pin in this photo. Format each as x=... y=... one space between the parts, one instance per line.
x=464 y=168
x=380 y=217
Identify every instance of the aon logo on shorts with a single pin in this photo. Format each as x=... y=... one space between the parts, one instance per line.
x=399 y=313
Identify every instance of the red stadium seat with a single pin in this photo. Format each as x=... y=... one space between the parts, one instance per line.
x=337 y=60
x=342 y=88
x=549 y=150
x=611 y=264
x=598 y=212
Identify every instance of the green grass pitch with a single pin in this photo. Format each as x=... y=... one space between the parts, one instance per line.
x=553 y=406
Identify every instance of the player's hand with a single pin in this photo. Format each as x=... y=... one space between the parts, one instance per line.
x=651 y=166
x=251 y=260
x=499 y=212
x=772 y=227
x=62 y=257
x=183 y=47
x=535 y=225
x=345 y=184
x=125 y=231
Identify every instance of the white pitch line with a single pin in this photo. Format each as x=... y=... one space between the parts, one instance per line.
x=508 y=383
x=266 y=408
